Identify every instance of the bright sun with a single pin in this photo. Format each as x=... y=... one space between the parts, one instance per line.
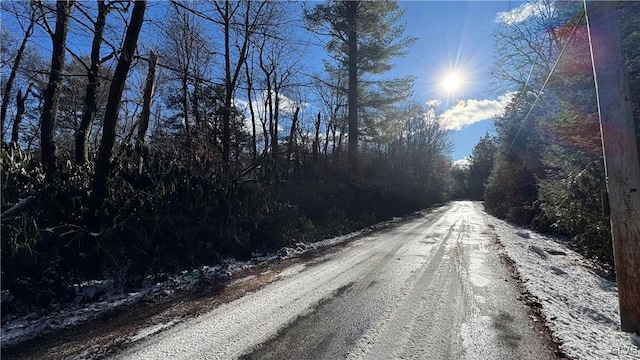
x=452 y=82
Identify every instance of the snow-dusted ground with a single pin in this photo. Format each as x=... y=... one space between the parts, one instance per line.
x=17 y=329
x=580 y=306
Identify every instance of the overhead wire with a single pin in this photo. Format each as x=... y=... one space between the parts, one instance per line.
x=575 y=27
x=595 y=76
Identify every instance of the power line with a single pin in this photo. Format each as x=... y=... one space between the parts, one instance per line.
x=545 y=82
x=595 y=76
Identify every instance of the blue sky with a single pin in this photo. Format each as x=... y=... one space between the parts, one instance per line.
x=452 y=36
x=455 y=36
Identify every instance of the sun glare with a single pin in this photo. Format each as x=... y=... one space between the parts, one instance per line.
x=452 y=82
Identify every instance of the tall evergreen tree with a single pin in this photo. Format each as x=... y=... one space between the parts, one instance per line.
x=510 y=191
x=480 y=167
x=363 y=37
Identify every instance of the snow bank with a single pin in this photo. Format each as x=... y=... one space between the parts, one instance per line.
x=580 y=306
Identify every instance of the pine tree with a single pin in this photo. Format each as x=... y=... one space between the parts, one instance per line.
x=482 y=157
x=363 y=38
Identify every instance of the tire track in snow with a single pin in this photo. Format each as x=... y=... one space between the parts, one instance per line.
x=333 y=328
x=408 y=328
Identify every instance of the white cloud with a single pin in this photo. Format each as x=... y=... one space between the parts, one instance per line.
x=433 y=103
x=287 y=107
x=521 y=13
x=462 y=163
x=468 y=112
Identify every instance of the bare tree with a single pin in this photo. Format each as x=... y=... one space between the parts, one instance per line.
x=113 y=102
x=14 y=68
x=52 y=92
x=230 y=15
x=93 y=84
x=145 y=114
x=526 y=48
x=186 y=53
x=333 y=99
x=20 y=105
x=249 y=79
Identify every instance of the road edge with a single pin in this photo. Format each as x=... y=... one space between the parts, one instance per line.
x=533 y=303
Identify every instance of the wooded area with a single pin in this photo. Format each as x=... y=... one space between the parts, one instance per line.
x=214 y=139
x=214 y=142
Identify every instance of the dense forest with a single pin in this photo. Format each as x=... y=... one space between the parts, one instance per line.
x=154 y=137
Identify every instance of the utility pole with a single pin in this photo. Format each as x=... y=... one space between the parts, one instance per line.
x=619 y=144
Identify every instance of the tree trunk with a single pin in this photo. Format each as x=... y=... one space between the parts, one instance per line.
x=268 y=71
x=185 y=110
x=231 y=77
x=147 y=100
x=292 y=134
x=316 y=142
x=197 y=117
x=265 y=131
x=20 y=100
x=276 y=119
x=254 y=145
x=326 y=139
x=352 y=44
x=89 y=108
x=113 y=102
x=52 y=92
x=340 y=139
x=14 y=70
x=226 y=115
x=273 y=137
x=200 y=132
x=334 y=142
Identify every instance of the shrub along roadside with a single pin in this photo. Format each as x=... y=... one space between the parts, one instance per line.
x=168 y=218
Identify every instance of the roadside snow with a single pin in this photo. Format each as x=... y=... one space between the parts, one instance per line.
x=581 y=307
x=17 y=329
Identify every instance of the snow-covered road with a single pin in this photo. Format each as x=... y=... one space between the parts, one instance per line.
x=433 y=287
